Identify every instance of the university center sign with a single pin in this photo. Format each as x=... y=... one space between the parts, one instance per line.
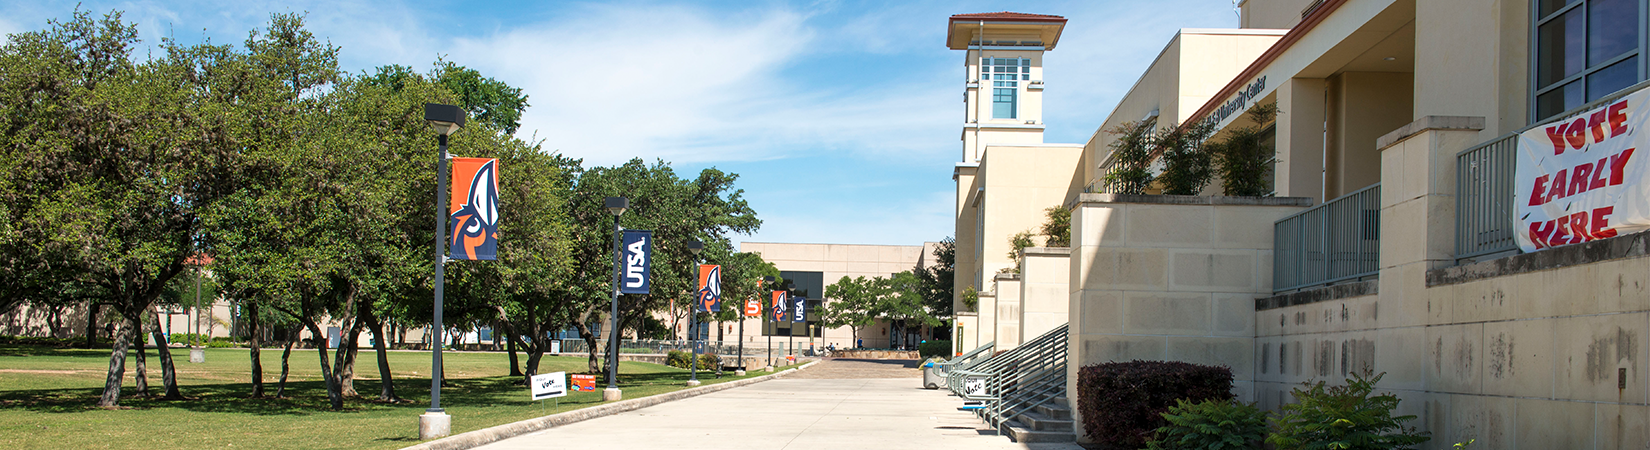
x=1579 y=179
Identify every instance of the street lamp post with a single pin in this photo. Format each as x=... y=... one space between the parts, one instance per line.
x=446 y=119
x=615 y=205
x=695 y=247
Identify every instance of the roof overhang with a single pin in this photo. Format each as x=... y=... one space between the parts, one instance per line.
x=964 y=26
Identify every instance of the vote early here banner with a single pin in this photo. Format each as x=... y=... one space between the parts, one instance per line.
x=1580 y=179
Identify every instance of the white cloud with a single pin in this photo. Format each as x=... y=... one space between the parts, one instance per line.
x=609 y=83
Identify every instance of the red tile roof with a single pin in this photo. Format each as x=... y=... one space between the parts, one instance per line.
x=1009 y=16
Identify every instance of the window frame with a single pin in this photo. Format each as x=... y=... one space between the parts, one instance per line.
x=1021 y=79
x=1536 y=90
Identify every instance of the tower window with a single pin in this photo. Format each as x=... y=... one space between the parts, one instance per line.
x=1005 y=75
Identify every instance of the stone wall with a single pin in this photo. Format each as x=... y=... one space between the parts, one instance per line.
x=1158 y=277
x=1045 y=290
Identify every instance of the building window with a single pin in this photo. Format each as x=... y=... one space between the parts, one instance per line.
x=1005 y=75
x=1585 y=50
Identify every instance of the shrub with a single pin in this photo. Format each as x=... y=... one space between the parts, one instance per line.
x=1123 y=403
x=934 y=348
x=1187 y=167
x=1344 y=417
x=1242 y=160
x=1210 y=425
x=679 y=359
x=1131 y=154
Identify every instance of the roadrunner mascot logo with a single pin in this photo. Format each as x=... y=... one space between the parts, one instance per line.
x=475 y=222
x=710 y=288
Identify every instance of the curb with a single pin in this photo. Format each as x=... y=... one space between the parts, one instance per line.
x=489 y=435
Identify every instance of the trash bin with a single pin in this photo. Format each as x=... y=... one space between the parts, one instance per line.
x=932 y=375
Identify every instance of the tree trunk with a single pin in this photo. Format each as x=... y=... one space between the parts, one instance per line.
x=168 y=371
x=141 y=375
x=280 y=386
x=510 y=343
x=117 y=370
x=334 y=397
x=92 y=309
x=387 y=390
x=349 y=346
x=590 y=343
x=254 y=341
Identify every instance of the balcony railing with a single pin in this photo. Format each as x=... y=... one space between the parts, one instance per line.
x=1483 y=198
x=1337 y=241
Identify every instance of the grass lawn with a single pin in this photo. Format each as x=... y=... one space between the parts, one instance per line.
x=47 y=399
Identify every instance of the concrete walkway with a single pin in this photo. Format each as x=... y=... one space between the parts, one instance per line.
x=833 y=412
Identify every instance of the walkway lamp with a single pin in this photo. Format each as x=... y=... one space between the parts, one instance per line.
x=615 y=205
x=694 y=246
x=446 y=120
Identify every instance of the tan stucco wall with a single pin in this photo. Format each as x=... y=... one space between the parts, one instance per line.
x=1272 y=13
x=1007 y=318
x=1482 y=66
x=1176 y=282
x=1045 y=290
x=1020 y=182
x=1363 y=106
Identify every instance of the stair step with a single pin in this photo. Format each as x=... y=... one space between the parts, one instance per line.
x=1061 y=400
x=1040 y=422
x=1054 y=411
x=1019 y=433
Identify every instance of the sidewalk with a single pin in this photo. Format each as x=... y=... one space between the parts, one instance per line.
x=788 y=413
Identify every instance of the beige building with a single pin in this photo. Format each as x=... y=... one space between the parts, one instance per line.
x=1386 y=245
x=812 y=267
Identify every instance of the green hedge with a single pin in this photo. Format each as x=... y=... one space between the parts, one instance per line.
x=679 y=359
x=934 y=348
x=1123 y=402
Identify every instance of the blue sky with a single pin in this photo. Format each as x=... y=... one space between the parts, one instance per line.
x=842 y=118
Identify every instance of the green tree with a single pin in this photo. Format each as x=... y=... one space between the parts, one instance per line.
x=936 y=279
x=1056 y=229
x=487 y=100
x=853 y=303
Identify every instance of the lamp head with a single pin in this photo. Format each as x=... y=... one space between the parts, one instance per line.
x=767 y=279
x=616 y=205
x=446 y=119
x=695 y=246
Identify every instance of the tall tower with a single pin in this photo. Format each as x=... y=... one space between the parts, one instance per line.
x=1004 y=76
x=1003 y=104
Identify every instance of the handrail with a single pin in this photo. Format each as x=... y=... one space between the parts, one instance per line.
x=1015 y=381
x=1483 y=201
x=1335 y=241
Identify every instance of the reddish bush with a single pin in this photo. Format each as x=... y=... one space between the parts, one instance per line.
x=1122 y=402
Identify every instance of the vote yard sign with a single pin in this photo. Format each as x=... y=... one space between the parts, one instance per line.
x=549 y=385
x=584 y=383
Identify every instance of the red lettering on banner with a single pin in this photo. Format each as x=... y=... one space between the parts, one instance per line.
x=1599 y=222
x=1579 y=179
x=1598 y=175
x=1618 y=118
x=1561 y=231
x=1598 y=125
x=1618 y=162
x=1578 y=228
x=1577 y=133
x=1557 y=191
x=1556 y=134
x=1539 y=195
x=1539 y=232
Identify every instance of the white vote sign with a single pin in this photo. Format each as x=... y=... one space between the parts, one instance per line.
x=548 y=385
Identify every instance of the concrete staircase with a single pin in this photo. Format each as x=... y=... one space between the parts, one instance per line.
x=1047 y=422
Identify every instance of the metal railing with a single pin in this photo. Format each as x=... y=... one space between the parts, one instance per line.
x=964 y=361
x=1483 y=198
x=1013 y=382
x=1336 y=241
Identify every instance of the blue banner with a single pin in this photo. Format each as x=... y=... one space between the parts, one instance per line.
x=636 y=261
x=800 y=306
